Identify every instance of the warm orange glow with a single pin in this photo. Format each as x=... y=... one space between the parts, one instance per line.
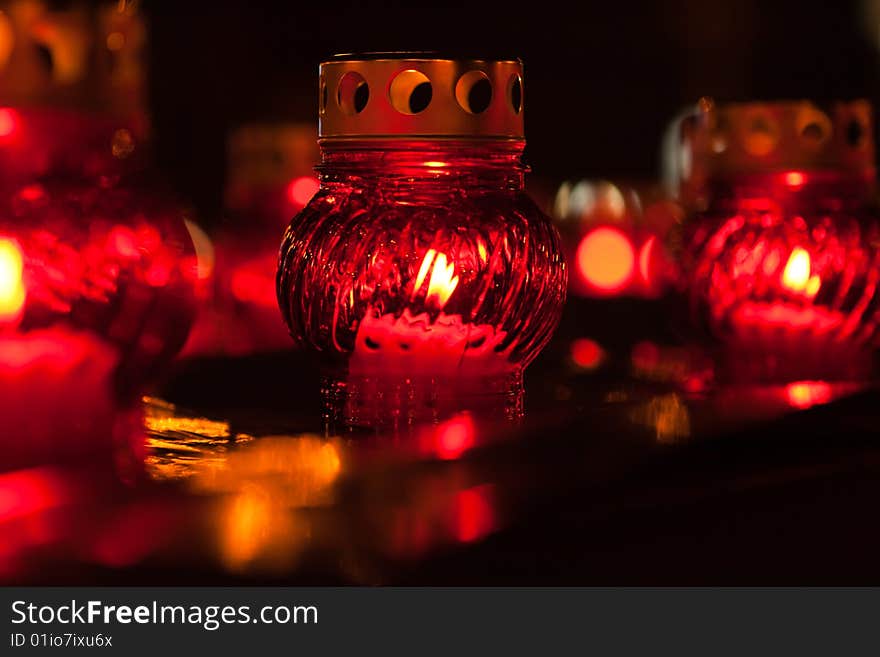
x=803 y=394
x=248 y=528
x=586 y=353
x=796 y=276
x=443 y=280
x=12 y=291
x=115 y=41
x=8 y=122
x=794 y=179
x=301 y=190
x=204 y=250
x=606 y=260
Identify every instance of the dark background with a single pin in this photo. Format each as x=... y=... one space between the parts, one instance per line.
x=602 y=78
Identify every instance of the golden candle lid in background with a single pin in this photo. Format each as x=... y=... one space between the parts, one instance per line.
x=392 y=95
x=720 y=140
x=78 y=55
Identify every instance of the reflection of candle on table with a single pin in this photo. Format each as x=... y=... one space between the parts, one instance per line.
x=56 y=395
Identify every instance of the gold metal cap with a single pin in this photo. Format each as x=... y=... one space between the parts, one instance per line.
x=390 y=95
x=715 y=141
x=79 y=55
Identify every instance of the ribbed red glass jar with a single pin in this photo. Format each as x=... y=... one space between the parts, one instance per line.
x=781 y=256
x=421 y=272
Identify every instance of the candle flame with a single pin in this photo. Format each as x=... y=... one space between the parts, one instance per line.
x=443 y=281
x=796 y=276
x=12 y=292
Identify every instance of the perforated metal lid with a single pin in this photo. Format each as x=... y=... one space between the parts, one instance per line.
x=390 y=95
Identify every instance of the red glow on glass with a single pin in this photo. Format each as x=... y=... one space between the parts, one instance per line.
x=474 y=513
x=12 y=290
x=804 y=394
x=301 y=190
x=8 y=122
x=121 y=241
x=586 y=353
x=646 y=254
x=606 y=259
x=28 y=491
x=794 y=179
x=453 y=437
x=159 y=274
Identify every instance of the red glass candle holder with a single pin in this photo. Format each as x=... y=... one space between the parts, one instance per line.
x=421 y=273
x=104 y=248
x=781 y=250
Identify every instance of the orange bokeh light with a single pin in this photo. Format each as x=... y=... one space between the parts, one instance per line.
x=794 y=179
x=803 y=394
x=606 y=260
x=12 y=291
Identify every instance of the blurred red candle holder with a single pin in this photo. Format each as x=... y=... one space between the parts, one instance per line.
x=58 y=402
x=781 y=250
x=270 y=177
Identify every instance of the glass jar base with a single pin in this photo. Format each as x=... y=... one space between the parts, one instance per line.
x=399 y=404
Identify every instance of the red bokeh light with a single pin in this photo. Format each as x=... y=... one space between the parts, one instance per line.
x=24 y=492
x=453 y=438
x=8 y=122
x=586 y=353
x=474 y=513
x=606 y=260
x=254 y=282
x=301 y=190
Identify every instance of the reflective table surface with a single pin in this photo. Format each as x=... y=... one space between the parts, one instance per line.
x=632 y=466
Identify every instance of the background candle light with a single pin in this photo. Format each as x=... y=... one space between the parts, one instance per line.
x=104 y=245
x=781 y=243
